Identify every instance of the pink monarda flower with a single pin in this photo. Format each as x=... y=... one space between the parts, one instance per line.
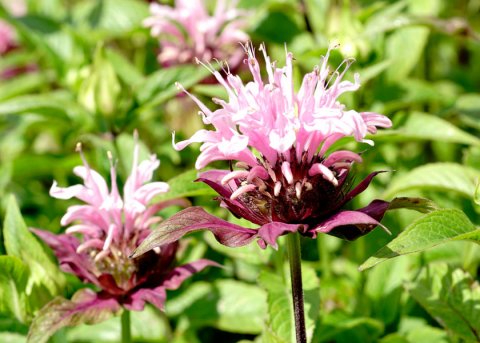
x=286 y=176
x=7 y=33
x=187 y=32
x=103 y=232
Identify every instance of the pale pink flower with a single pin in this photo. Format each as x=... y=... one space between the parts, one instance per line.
x=286 y=179
x=100 y=236
x=187 y=31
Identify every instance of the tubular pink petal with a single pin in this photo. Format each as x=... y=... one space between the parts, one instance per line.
x=342 y=156
x=327 y=174
x=257 y=172
x=82 y=229
x=66 y=193
x=287 y=172
x=237 y=174
x=90 y=244
x=109 y=237
x=147 y=192
x=277 y=188
x=241 y=190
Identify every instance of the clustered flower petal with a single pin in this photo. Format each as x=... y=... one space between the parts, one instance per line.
x=187 y=32
x=105 y=230
x=287 y=176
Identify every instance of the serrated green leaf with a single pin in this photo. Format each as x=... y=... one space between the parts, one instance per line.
x=432 y=229
x=13 y=283
x=451 y=297
x=21 y=243
x=228 y=305
x=280 y=323
x=183 y=186
x=451 y=177
x=422 y=126
x=160 y=86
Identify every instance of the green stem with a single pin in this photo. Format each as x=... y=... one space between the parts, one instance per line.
x=295 y=258
x=126 y=331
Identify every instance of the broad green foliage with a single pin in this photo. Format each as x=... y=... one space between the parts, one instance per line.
x=45 y=278
x=279 y=325
x=452 y=298
x=225 y=304
x=436 y=176
x=87 y=71
x=434 y=228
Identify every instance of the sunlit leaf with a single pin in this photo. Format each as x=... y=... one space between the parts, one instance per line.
x=160 y=86
x=451 y=177
x=422 y=126
x=432 y=229
x=13 y=286
x=228 y=305
x=21 y=243
x=183 y=186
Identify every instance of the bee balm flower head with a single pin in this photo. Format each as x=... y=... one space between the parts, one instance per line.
x=286 y=176
x=104 y=231
x=187 y=31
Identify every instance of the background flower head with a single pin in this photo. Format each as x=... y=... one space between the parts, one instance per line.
x=286 y=176
x=187 y=31
x=104 y=231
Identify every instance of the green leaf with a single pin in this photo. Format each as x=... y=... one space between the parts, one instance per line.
x=110 y=17
x=277 y=26
x=21 y=243
x=422 y=126
x=452 y=297
x=183 y=186
x=160 y=86
x=403 y=60
x=280 y=325
x=147 y=326
x=127 y=72
x=432 y=229
x=52 y=105
x=86 y=307
x=417 y=204
x=20 y=84
x=228 y=305
x=450 y=177
x=384 y=288
x=339 y=327
x=13 y=283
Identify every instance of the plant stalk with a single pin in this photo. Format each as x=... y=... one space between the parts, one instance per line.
x=295 y=259
x=126 y=330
